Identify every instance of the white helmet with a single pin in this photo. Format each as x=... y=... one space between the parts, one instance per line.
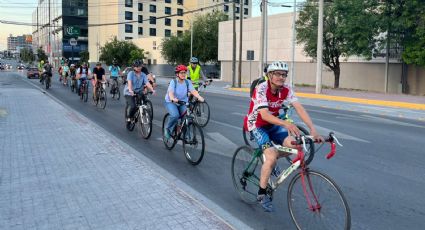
x=278 y=65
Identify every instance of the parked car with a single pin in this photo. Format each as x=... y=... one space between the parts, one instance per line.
x=32 y=73
x=20 y=67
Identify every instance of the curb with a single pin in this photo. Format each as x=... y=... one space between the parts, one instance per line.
x=398 y=104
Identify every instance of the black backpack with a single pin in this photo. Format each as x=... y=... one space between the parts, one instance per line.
x=255 y=83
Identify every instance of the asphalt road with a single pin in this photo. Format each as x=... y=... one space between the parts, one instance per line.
x=380 y=168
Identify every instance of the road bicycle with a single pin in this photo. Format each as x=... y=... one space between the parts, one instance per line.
x=314 y=200
x=83 y=90
x=100 y=99
x=73 y=84
x=200 y=110
x=115 y=89
x=189 y=132
x=142 y=116
x=285 y=114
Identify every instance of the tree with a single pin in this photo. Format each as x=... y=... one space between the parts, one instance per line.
x=176 y=49
x=119 y=50
x=350 y=27
x=41 y=55
x=137 y=54
x=84 y=56
x=27 y=55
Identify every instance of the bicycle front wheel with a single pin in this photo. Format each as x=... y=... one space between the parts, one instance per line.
x=149 y=107
x=316 y=202
x=246 y=168
x=86 y=92
x=170 y=142
x=193 y=143
x=202 y=113
x=102 y=99
x=145 y=124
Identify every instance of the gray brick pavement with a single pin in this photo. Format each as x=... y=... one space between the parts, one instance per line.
x=60 y=171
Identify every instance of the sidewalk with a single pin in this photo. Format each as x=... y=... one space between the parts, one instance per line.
x=61 y=171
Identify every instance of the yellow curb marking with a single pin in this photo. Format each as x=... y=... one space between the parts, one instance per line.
x=353 y=100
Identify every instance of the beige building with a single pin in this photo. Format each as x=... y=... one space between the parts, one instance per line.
x=356 y=73
x=146 y=22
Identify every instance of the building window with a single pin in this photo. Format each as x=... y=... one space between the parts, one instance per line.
x=226 y=8
x=179 y=23
x=226 y=0
x=167 y=33
x=152 y=8
x=180 y=12
x=140 y=31
x=140 y=6
x=154 y=61
x=237 y=9
x=167 y=1
x=152 y=32
x=179 y=2
x=245 y=11
x=140 y=19
x=128 y=38
x=128 y=28
x=128 y=3
x=167 y=21
x=237 y=1
x=128 y=15
x=246 y=2
x=167 y=10
x=179 y=33
x=152 y=20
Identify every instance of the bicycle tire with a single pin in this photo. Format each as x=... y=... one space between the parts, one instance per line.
x=201 y=110
x=102 y=99
x=145 y=124
x=248 y=138
x=246 y=182
x=309 y=155
x=172 y=141
x=47 y=83
x=149 y=107
x=117 y=93
x=86 y=92
x=193 y=136
x=81 y=92
x=336 y=216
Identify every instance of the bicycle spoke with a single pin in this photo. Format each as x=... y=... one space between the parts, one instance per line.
x=193 y=143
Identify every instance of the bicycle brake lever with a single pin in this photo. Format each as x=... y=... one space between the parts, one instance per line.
x=336 y=140
x=304 y=146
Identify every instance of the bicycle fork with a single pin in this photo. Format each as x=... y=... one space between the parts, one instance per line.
x=308 y=191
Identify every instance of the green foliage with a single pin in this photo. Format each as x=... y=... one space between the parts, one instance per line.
x=176 y=49
x=121 y=51
x=84 y=56
x=349 y=28
x=137 y=54
x=41 y=55
x=27 y=55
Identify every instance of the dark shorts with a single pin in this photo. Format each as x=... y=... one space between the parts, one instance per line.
x=266 y=134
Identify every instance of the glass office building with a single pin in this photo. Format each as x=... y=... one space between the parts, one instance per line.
x=55 y=23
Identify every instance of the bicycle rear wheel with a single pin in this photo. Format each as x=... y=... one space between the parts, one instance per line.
x=309 y=154
x=193 y=143
x=249 y=138
x=145 y=124
x=86 y=92
x=316 y=202
x=149 y=107
x=246 y=173
x=102 y=98
x=117 y=92
x=202 y=113
x=170 y=142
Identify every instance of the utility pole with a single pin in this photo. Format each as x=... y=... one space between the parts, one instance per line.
x=234 y=46
x=292 y=73
x=240 y=46
x=262 y=36
x=319 y=49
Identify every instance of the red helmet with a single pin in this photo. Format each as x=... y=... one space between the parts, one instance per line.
x=180 y=68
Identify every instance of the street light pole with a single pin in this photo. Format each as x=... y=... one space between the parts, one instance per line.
x=319 y=49
x=191 y=36
x=292 y=73
x=234 y=47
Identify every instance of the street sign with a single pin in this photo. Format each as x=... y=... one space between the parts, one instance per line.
x=72 y=31
x=250 y=55
x=73 y=42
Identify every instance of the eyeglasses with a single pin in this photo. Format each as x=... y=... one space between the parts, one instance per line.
x=182 y=72
x=283 y=75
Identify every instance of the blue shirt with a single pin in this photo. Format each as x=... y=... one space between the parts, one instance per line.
x=115 y=70
x=138 y=82
x=180 y=90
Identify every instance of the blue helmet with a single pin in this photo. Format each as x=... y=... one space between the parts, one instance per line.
x=194 y=60
x=137 y=63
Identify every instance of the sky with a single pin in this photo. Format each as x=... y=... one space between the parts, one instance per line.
x=21 y=11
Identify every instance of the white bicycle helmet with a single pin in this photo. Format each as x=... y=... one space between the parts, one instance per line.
x=278 y=65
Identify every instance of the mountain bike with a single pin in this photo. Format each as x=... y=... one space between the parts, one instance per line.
x=115 y=89
x=189 y=132
x=314 y=200
x=142 y=116
x=285 y=114
x=100 y=98
x=200 y=110
x=83 y=91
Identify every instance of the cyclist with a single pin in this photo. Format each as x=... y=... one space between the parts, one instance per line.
x=47 y=71
x=98 y=77
x=72 y=74
x=136 y=80
x=262 y=121
x=178 y=90
x=115 y=71
x=40 y=69
x=65 y=73
x=195 y=72
x=82 y=74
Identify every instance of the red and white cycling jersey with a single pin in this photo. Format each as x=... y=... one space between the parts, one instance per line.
x=262 y=97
